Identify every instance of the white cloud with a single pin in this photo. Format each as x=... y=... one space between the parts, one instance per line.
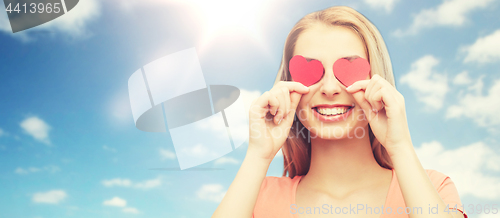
x=73 y=24
x=147 y=184
x=117 y=182
x=482 y=109
x=226 y=160
x=476 y=87
x=37 y=128
x=167 y=154
x=119 y=202
x=448 y=13
x=107 y=148
x=211 y=192
x=22 y=171
x=472 y=168
x=484 y=50
x=49 y=168
x=130 y=210
x=115 y=202
x=462 y=78
x=2 y=133
x=430 y=86
x=50 y=197
x=387 y=5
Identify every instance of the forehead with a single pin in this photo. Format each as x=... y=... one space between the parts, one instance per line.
x=329 y=42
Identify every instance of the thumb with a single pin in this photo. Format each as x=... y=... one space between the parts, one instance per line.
x=295 y=99
x=360 y=99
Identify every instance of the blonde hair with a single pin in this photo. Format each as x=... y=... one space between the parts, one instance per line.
x=297 y=149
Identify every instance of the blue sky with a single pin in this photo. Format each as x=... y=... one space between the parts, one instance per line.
x=69 y=147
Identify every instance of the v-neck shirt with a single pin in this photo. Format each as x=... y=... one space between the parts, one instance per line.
x=277 y=198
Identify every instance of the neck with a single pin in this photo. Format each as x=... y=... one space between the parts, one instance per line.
x=344 y=162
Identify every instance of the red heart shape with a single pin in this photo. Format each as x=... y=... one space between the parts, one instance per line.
x=349 y=72
x=305 y=72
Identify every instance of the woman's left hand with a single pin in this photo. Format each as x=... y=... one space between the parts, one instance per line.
x=384 y=108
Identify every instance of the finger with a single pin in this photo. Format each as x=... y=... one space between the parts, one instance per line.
x=388 y=93
x=389 y=97
x=358 y=85
x=265 y=103
x=295 y=99
x=286 y=93
x=294 y=86
x=278 y=93
x=373 y=84
x=359 y=97
x=377 y=100
x=370 y=91
x=273 y=103
x=382 y=80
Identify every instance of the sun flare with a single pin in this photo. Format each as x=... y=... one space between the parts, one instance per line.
x=229 y=17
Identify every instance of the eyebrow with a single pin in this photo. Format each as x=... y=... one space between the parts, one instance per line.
x=349 y=58
x=352 y=58
x=309 y=59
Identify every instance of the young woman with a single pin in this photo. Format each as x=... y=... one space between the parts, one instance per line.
x=347 y=150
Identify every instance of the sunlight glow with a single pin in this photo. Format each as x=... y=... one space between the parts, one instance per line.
x=226 y=17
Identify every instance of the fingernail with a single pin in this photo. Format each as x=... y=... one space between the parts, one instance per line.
x=280 y=120
x=348 y=87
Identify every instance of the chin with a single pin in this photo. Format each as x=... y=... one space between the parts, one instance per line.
x=339 y=132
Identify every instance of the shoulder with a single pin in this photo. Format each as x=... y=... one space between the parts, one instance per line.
x=277 y=185
x=279 y=182
x=446 y=188
x=437 y=178
x=275 y=196
x=435 y=173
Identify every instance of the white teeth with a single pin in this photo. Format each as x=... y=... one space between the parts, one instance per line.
x=332 y=111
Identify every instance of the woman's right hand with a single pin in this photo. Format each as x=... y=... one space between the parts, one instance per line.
x=271 y=117
x=266 y=138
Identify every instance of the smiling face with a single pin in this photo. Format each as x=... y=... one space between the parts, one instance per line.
x=328 y=111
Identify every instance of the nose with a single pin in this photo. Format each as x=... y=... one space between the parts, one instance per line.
x=331 y=86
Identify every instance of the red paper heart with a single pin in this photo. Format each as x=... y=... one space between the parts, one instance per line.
x=305 y=72
x=349 y=72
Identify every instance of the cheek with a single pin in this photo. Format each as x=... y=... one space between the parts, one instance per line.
x=302 y=109
x=305 y=100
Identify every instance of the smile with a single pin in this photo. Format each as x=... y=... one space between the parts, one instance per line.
x=332 y=113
